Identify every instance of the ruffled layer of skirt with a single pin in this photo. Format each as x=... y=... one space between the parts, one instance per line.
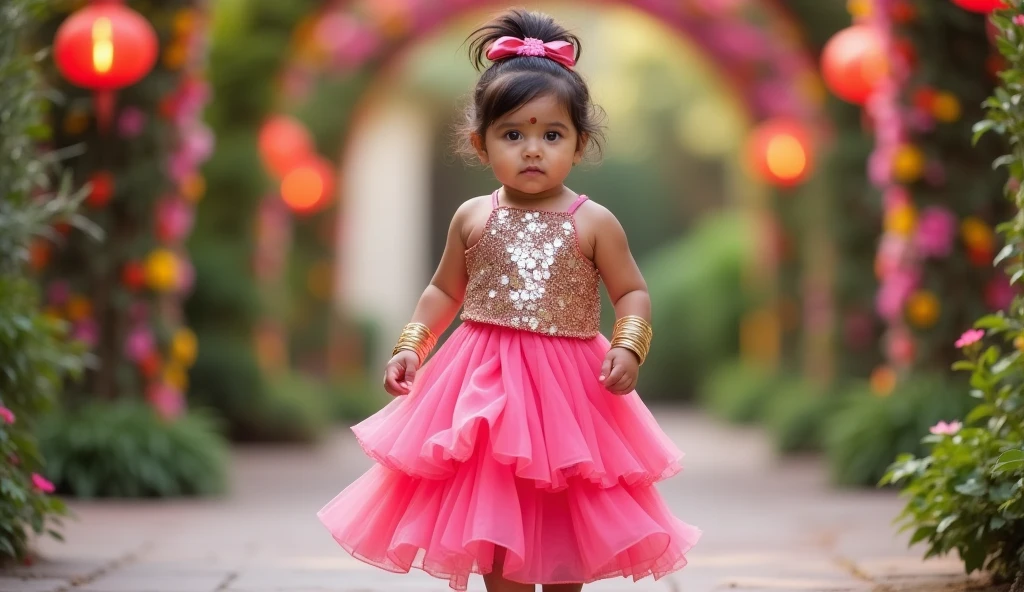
x=509 y=440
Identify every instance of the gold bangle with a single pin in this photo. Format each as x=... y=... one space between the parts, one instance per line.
x=635 y=334
x=417 y=338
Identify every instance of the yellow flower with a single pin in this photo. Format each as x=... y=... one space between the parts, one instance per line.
x=923 y=308
x=193 y=187
x=184 y=346
x=901 y=220
x=162 y=270
x=946 y=107
x=1019 y=343
x=175 y=56
x=976 y=234
x=78 y=308
x=858 y=8
x=176 y=377
x=883 y=381
x=908 y=164
x=184 y=22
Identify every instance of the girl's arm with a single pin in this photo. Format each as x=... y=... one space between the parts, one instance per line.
x=438 y=304
x=626 y=286
x=443 y=297
x=627 y=291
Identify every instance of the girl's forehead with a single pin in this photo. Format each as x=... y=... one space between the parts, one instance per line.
x=545 y=108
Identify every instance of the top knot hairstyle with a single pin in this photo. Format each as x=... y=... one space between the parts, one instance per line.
x=510 y=82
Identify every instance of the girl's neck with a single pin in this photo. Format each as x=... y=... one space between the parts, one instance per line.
x=548 y=197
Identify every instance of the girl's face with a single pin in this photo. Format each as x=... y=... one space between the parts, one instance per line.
x=533 y=148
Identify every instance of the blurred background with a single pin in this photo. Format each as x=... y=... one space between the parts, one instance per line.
x=261 y=207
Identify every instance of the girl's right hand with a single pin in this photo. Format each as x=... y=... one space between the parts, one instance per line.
x=400 y=373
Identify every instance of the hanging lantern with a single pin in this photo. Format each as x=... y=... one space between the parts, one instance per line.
x=778 y=151
x=982 y=6
x=307 y=187
x=853 y=63
x=105 y=46
x=283 y=144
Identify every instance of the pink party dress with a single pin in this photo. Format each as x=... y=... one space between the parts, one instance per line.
x=508 y=438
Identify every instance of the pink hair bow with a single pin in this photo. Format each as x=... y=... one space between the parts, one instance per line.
x=560 y=51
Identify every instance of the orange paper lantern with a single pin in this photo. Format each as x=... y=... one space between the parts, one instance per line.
x=853 y=63
x=307 y=187
x=284 y=143
x=779 y=152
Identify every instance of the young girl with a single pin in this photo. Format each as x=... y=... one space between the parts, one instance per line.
x=521 y=451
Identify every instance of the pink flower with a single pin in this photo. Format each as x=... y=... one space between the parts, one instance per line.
x=132 y=122
x=6 y=414
x=168 y=402
x=87 y=331
x=894 y=291
x=139 y=344
x=1019 y=20
x=970 y=336
x=946 y=429
x=936 y=231
x=58 y=292
x=999 y=293
x=42 y=484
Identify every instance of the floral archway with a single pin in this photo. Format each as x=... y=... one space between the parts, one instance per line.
x=338 y=47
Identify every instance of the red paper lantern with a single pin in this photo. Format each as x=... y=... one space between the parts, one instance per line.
x=982 y=6
x=284 y=143
x=307 y=187
x=853 y=63
x=103 y=47
x=779 y=152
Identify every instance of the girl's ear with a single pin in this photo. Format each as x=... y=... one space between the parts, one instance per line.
x=581 y=148
x=480 y=147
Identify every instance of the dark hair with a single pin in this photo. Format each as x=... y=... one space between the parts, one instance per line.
x=510 y=83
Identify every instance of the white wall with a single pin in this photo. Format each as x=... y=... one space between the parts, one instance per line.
x=384 y=218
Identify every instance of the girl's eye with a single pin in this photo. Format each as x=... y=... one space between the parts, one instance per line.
x=552 y=136
x=514 y=135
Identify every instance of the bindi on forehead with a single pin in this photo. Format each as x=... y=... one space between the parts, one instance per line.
x=533 y=120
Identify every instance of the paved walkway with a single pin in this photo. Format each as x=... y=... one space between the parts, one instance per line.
x=769 y=525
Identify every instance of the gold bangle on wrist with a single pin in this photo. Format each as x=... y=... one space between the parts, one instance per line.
x=633 y=333
x=417 y=338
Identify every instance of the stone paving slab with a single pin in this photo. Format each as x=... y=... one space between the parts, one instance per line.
x=770 y=525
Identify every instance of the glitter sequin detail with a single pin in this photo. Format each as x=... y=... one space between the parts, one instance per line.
x=526 y=272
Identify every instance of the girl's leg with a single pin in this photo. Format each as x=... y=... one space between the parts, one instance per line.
x=562 y=587
x=495 y=583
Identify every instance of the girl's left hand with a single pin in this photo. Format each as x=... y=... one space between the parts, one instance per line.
x=619 y=371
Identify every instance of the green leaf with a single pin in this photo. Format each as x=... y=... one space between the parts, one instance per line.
x=920 y=534
x=1011 y=460
x=946 y=523
x=981 y=128
x=980 y=412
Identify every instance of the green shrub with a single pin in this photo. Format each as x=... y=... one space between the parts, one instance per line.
x=698 y=302
x=738 y=391
x=796 y=416
x=868 y=431
x=35 y=356
x=125 y=449
x=355 y=399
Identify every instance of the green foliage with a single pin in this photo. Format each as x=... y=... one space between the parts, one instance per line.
x=291 y=408
x=796 y=415
x=356 y=399
x=868 y=431
x=124 y=449
x=968 y=493
x=695 y=286
x=739 y=391
x=35 y=357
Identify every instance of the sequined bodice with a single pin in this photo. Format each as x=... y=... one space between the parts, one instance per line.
x=527 y=272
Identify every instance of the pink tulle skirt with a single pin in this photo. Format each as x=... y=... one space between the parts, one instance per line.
x=509 y=440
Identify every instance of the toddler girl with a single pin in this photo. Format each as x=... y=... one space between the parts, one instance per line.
x=521 y=451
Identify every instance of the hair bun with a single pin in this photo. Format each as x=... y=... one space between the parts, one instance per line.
x=521 y=24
